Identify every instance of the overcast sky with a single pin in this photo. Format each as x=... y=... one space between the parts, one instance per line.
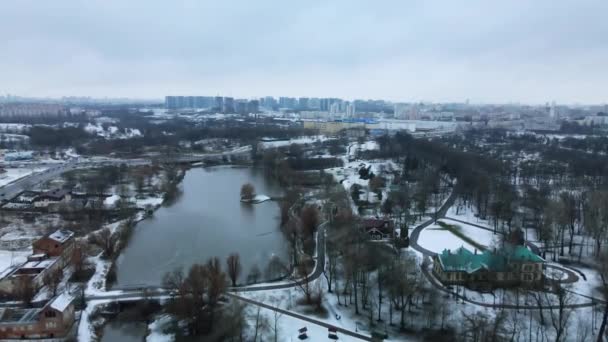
x=487 y=51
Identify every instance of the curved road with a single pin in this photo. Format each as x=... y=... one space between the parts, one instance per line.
x=427 y=254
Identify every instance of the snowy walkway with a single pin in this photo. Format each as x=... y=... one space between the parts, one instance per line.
x=302 y=317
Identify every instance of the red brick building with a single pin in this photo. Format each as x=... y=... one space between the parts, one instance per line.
x=378 y=229
x=54 y=320
x=56 y=244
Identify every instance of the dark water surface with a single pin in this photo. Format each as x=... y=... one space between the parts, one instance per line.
x=206 y=220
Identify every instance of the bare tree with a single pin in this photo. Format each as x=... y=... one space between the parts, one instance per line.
x=260 y=325
x=52 y=279
x=105 y=240
x=290 y=232
x=195 y=296
x=247 y=191
x=275 y=325
x=559 y=315
x=302 y=280
x=403 y=285
x=603 y=262
x=254 y=274
x=217 y=280
x=329 y=272
x=234 y=321
x=275 y=268
x=309 y=217
x=174 y=281
x=78 y=257
x=480 y=327
x=595 y=216
x=233 y=265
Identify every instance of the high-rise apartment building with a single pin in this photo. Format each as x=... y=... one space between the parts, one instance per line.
x=350 y=110
x=303 y=103
x=178 y=102
x=253 y=106
x=228 y=105
x=288 y=102
x=219 y=103
x=401 y=111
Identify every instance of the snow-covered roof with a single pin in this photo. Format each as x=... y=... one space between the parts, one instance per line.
x=111 y=201
x=61 y=235
x=61 y=302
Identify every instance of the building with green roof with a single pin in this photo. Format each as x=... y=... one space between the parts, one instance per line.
x=511 y=265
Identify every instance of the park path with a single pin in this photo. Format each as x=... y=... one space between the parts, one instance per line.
x=428 y=255
x=302 y=317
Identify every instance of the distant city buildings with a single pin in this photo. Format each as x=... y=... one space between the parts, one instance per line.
x=350 y=110
x=303 y=103
x=401 y=110
x=217 y=103
x=178 y=102
x=32 y=109
x=228 y=106
x=551 y=110
x=287 y=102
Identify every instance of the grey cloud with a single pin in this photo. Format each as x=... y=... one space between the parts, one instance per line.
x=531 y=51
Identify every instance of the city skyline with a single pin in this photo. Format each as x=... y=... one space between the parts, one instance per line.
x=532 y=52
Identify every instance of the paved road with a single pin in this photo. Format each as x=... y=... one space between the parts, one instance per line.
x=571 y=276
x=13 y=189
x=416 y=232
x=440 y=286
x=316 y=272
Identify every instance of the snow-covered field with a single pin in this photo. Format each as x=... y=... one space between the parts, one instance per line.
x=300 y=141
x=288 y=326
x=12 y=258
x=481 y=236
x=337 y=315
x=13 y=174
x=112 y=132
x=436 y=239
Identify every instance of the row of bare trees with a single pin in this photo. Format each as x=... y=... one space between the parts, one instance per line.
x=196 y=295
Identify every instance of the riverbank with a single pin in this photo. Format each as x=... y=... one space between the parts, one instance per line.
x=104 y=275
x=178 y=221
x=207 y=221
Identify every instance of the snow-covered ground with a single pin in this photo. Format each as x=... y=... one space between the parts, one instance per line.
x=466 y=214
x=260 y=198
x=338 y=316
x=110 y=202
x=156 y=328
x=436 y=239
x=481 y=236
x=152 y=201
x=14 y=127
x=300 y=140
x=288 y=327
x=13 y=174
x=112 y=132
x=12 y=258
x=12 y=137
